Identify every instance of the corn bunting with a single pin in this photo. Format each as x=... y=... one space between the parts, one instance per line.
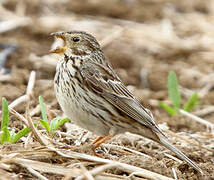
x=93 y=96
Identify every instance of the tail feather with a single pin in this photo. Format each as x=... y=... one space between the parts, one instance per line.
x=169 y=146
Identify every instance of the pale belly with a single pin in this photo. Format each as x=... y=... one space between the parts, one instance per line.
x=78 y=112
x=92 y=114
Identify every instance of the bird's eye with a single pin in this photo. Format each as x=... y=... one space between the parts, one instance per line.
x=76 y=39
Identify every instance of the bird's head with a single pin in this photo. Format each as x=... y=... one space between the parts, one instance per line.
x=76 y=43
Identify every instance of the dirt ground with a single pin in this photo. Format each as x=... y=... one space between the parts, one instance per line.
x=143 y=40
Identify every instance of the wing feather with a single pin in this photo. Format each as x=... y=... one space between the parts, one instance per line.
x=110 y=87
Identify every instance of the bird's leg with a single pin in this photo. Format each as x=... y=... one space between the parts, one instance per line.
x=98 y=142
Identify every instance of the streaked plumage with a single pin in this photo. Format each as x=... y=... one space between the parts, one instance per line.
x=93 y=96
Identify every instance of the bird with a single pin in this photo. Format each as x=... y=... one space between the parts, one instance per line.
x=93 y=96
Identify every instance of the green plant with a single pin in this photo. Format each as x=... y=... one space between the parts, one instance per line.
x=54 y=124
x=175 y=97
x=6 y=135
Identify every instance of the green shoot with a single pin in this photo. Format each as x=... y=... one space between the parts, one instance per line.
x=19 y=135
x=5 y=136
x=5 y=114
x=175 y=97
x=9 y=136
x=42 y=106
x=173 y=90
x=44 y=122
x=192 y=103
x=45 y=125
x=168 y=108
x=54 y=124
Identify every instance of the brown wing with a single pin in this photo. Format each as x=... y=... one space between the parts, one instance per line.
x=105 y=82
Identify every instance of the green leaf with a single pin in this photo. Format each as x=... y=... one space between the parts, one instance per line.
x=53 y=124
x=42 y=106
x=168 y=108
x=5 y=136
x=20 y=134
x=60 y=123
x=5 y=114
x=173 y=90
x=192 y=103
x=45 y=125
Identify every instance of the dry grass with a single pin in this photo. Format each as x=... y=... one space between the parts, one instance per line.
x=144 y=42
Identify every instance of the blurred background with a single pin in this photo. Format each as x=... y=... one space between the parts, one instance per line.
x=143 y=39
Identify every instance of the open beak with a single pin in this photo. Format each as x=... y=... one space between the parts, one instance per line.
x=58 y=49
